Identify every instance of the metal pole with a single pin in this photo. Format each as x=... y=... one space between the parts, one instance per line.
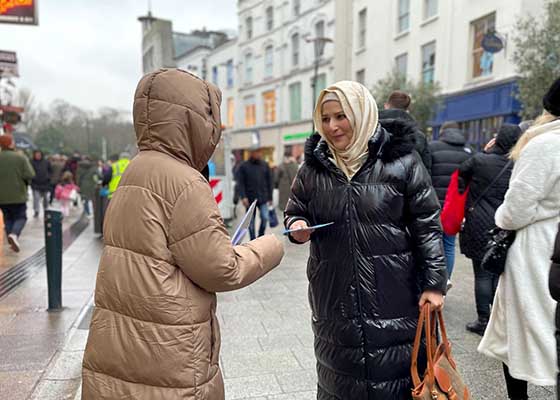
x=53 y=247
x=314 y=88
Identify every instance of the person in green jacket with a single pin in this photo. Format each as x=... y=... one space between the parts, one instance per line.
x=16 y=173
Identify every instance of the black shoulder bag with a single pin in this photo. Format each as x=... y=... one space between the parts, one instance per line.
x=495 y=253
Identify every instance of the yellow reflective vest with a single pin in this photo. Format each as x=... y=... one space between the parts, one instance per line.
x=118 y=169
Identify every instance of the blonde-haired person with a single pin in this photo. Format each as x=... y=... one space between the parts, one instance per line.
x=382 y=257
x=520 y=332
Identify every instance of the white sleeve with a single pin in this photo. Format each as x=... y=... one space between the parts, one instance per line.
x=531 y=182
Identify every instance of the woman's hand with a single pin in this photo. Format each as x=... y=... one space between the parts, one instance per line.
x=432 y=297
x=490 y=144
x=302 y=236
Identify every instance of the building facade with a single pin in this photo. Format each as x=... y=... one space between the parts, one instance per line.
x=442 y=41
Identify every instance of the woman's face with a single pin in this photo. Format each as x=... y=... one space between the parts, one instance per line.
x=335 y=125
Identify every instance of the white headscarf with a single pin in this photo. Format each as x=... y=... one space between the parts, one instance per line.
x=360 y=108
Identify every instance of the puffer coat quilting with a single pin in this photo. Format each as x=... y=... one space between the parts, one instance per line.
x=367 y=271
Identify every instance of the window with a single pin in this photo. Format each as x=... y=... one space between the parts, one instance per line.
x=248 y=68
x=295 y=101
x=269 y=18
x=428 y=62
x=404 y=15
x=250 y=111
x=268 y=61
x=361 y=76
x=295 y=49
x=483 y=61
x=320 y=33
x=269 y=106
x=230 y=112
x=320 y=84
x=215 y=75
x=401 y=64
x=249 y=27
x=229 y=71
x=362 y=24
x=430 y=8
x=296 y=7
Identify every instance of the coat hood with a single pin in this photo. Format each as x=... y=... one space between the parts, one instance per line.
x=178 y=114
x=453 y=136
x=395 y=113
x=393 y=138
x=507 y=137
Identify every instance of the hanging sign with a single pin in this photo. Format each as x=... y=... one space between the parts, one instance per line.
x=492 y=43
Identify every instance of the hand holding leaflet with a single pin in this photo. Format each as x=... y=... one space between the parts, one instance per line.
x=309 y=228
x=243 y=226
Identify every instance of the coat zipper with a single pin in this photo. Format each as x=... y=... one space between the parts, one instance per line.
x=354 y=269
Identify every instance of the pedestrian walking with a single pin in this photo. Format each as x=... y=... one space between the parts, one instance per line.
x=255 y=183
x=66 y=192
x=487 y=175
x=88 y=180
x=57 y=167
x=447 y=153
x=15 y=175
x=396 y=107
x=381 y=258
x=154 y=333
x=554 y=286
x=285 y=176
x=519 y=332
x=41 y=182
x=72 y=164
x=117 y=170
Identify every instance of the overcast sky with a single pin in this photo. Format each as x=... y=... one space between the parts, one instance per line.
x=89 y=52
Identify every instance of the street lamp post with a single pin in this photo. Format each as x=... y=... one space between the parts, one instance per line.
x=319 y=46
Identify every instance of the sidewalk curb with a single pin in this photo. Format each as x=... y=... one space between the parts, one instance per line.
x=58 y=362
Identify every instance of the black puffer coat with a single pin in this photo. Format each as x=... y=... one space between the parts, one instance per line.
x=554 y=285
x=367 y=271
x=447 y=155
x=478 y=172
x=43 y=171
x=421 y=144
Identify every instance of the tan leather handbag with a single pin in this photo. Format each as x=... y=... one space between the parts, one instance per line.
x=442 y=380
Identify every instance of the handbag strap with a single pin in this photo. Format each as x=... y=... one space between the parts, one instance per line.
x=502 y=171
x=424 y=322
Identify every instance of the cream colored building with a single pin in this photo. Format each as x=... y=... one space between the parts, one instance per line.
x=440 y=40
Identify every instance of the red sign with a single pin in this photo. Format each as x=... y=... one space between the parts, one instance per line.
x=18 y=11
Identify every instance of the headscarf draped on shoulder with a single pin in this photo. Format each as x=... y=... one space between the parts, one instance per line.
x=360 y=108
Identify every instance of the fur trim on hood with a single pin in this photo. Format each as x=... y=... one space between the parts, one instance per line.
x=394 y=138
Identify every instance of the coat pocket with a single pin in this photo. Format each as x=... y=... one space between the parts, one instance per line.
x=215 y=341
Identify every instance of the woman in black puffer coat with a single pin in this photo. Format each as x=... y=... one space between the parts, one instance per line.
x=554 y=285
x=383 y=255
x=479 y=172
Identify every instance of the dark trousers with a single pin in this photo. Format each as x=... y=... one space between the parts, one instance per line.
x=517 y=389
x=484 y=289
x=263 y=213
x=15 y=217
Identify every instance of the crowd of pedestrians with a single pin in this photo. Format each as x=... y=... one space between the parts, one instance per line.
x=66 y=180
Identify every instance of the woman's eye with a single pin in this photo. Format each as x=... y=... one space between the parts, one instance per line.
x=325 y=120
x=341 y=116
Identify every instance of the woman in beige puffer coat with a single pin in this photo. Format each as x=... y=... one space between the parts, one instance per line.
x=154 y=333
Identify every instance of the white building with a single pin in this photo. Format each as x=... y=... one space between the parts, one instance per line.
x=439 y=40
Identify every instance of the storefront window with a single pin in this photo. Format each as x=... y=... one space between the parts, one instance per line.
x=479 y=132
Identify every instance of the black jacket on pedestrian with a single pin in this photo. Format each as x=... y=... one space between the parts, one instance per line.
x=255 y=181
x=447 y=153
x=554 y=286
x=43 y=171
x=421 y=144
x=478 y=172
x=366 y=272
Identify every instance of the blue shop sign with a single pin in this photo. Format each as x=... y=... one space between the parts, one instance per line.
x=492 y=43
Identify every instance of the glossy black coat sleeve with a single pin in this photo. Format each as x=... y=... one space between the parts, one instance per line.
x=423 y=220
x=296 y=209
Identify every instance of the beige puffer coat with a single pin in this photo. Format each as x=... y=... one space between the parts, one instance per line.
x=154 y=334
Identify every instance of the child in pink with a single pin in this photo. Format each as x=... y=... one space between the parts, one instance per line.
x=66 y=192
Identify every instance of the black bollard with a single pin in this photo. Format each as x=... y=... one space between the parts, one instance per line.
x=53 y=247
